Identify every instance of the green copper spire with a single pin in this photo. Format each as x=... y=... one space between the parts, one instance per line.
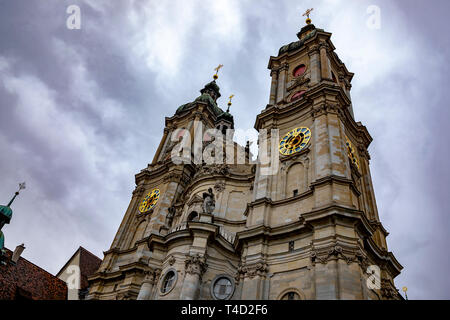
x=6 y=215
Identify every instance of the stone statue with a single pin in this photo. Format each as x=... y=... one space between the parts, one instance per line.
x=208 y=201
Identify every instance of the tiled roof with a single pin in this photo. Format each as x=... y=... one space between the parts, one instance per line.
x=26 y=280
x=89 y=264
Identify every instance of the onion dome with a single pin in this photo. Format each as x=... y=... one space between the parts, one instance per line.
x=6 y=211
x=209 y=95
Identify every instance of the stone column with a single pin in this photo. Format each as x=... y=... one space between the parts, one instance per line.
x=325 y=66
x=147 y=285
x=282 y=82
x=330 y=154
x=314 y=64
x=273 y=86
x=347 y=87
x=195 y=267
x=253 y=278
x=129 y=217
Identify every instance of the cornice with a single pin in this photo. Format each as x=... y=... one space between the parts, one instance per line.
x=387 y=257
x=277 y=112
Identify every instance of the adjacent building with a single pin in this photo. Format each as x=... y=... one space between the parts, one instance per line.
x=76 y=271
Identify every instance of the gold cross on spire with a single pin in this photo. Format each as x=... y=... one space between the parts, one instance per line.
x=229 y=102
x=215 y=76
x=307 y=13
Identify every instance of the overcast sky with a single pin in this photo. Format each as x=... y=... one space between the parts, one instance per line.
x=82 y=111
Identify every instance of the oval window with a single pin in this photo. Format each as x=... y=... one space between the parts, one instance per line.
x=299 y=70
x=168 y=282
x=222 y=288
x=298 y=95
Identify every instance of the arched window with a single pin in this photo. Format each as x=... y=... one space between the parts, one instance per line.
x=298 y=95
x=192 y=216
x=168 y=282
x=299 y=70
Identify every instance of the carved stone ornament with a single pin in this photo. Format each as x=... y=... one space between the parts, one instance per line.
x=152 y=276
x=138 y=191
x=253 y=270
x=207 y=170
x=387 y=290
x=337 y=252
x=209 y=202
x=172 y=260
x=299 y=82
x=219 y=187
x=195 y=264
x=324 y=109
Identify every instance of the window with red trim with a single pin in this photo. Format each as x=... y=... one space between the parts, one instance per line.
x=299 y=70
x=298 y=95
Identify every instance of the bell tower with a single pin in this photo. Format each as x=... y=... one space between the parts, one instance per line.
x=323 y=182
x=303 y=225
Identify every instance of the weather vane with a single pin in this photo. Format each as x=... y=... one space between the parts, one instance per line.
x=229 y=102
x=216 y=76
x=307 y=13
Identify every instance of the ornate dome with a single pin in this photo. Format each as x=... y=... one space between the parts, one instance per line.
x=209 y=95
x=6 y=213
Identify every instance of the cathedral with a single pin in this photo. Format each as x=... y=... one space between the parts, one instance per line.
x=230 y=230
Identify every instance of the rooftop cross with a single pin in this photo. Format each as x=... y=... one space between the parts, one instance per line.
x=215 y=76
x=21 y=187
x=307 y=13
x=229 y=102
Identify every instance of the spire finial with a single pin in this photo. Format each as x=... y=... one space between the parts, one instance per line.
x=21 y=187
x=307 y=13
x=404 y=289
x=229 y=102
x=216 y=76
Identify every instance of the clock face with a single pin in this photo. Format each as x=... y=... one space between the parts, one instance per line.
x=351 y=153
x=295 y=141
x=149 y=201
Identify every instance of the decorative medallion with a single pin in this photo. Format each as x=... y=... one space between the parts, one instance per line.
x=351 y=153
x=150 y=201
x=295 y=141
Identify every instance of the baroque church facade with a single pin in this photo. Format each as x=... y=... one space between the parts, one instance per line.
x=229 y=231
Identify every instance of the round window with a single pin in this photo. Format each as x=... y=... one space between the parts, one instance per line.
x=222 y=288
x=168 y=282
x=298 y=71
